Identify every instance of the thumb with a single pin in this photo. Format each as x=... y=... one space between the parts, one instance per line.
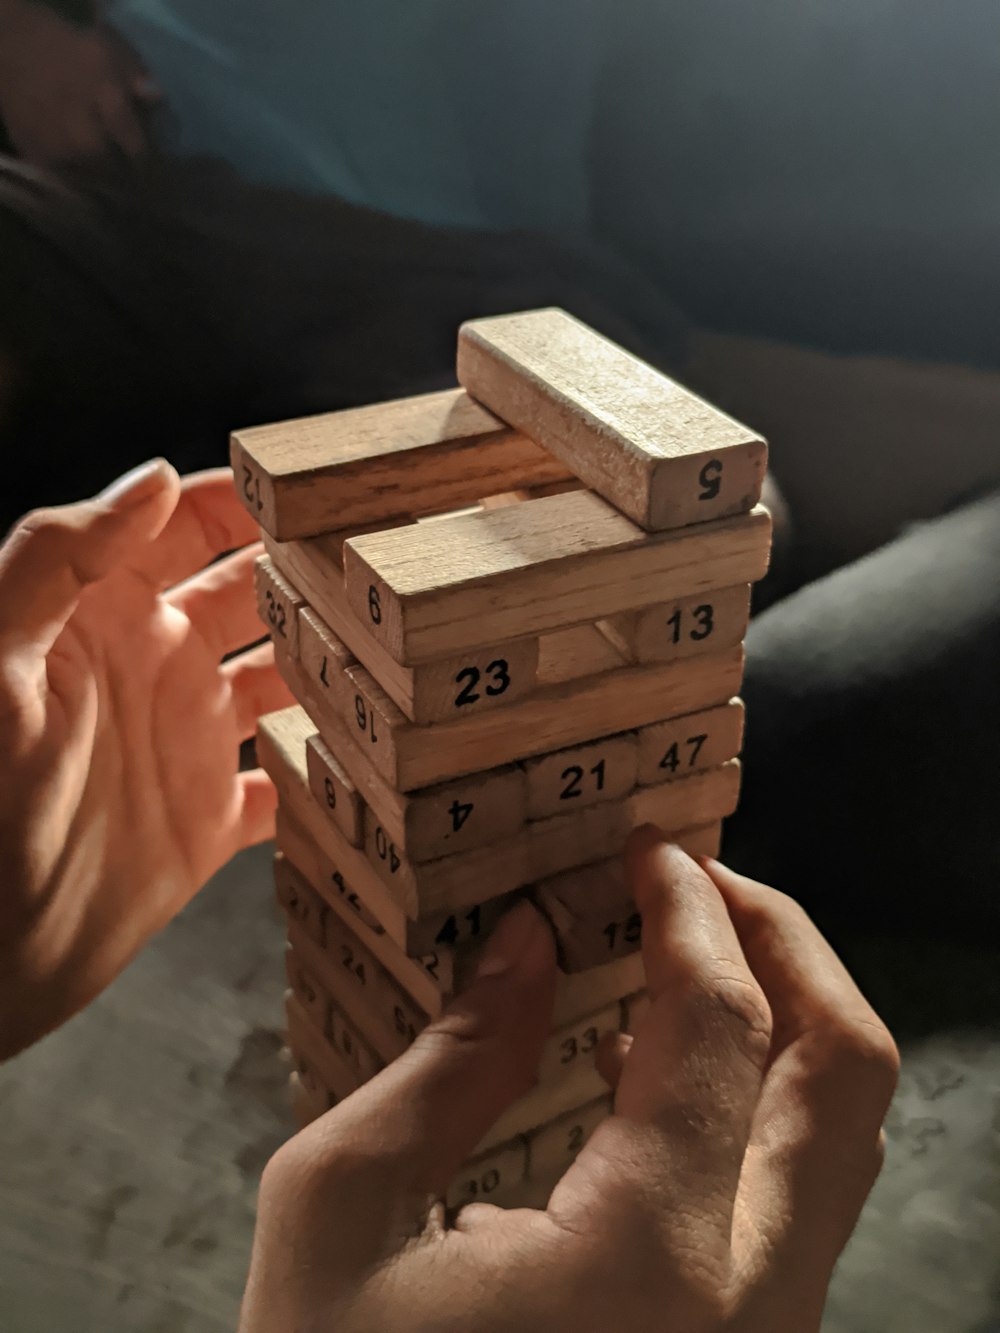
x=416 y=1123
x=53 y=554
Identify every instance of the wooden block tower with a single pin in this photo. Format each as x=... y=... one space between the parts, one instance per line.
x=512 y=615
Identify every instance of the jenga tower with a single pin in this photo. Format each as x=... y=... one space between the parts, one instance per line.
x=500 y=673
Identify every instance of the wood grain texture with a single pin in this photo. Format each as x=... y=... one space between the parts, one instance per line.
x=490 y=1176
x=657 y=452
x=543 y=1103
x=299 y=901
x=581 y=775
x=441 y=589
x=683 y=745
x=410 y=757
x=435 y=691
x=365 y=464
x=686 y=627
x=424 y=965
x=336 y=1027
x=548 y=846
x=346 y=880
x=380 y=1009
x=334 y=791
x=585 y=992
x=278 y=605
x=314 y=1056
x=314 y=1000
x=322 y=657
x=435 y=821
x=374 y=916
x=575 y=1043
x=572 y=654
x=592 y=912
x=422 y=948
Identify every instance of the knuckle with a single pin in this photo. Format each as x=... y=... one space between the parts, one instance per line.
x=864 y=1052
x=308 y=1163
x=740 y=1005
x=46 y=526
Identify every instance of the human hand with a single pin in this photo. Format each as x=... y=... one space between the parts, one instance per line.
x=120 y=729
x=745 y=1138
x=69 y=93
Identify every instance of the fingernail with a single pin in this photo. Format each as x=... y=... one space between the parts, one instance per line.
x=136 y=485
x=519 y=942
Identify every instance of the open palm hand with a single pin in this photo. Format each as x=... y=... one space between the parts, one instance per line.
x=120 y=727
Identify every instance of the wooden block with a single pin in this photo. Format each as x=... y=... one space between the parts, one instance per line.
x=283 y=758
x=411 y=456
x=593 y=915
x=582 y=992
x=347 y=1039
x=348 y=882
x=506 y=498
x=336 y=1027
x=422 y=954
x=493 y=676
x=581 y=775
x=278 y=605
x=686 y=627
x=315 y=1059
x=410 y=757
x=362 y=989
x=658 y=452
x=478 y=681
x=335 y=540
x=453 y=817
x=683 y=745
x=548 y=846
x=434 y=821
x=575 y=1043
x=634 y=1010
x=334 y=791
x=441 y=589
x=433 y=518
x=543 y=1103
x=571 y=654
x=323 y=657
x=300 y=900
x=296 y=841
x=310 y=993
x=430 y=978
x=487 y=1177
x=592 y=911
x=553 y=1148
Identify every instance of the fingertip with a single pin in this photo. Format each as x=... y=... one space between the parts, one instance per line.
x=610 y=1056
x=140 y=485
x=730 y=883
x=653 y=864
x=522 y=942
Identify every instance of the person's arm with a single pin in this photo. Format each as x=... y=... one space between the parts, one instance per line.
x=120 y=729
x=68 y=93
x=745 y=1138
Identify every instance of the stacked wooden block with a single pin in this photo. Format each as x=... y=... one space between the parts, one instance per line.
x=513 y=616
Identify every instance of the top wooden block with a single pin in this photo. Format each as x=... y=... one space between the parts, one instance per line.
x=658 y=453
x=368 y=465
